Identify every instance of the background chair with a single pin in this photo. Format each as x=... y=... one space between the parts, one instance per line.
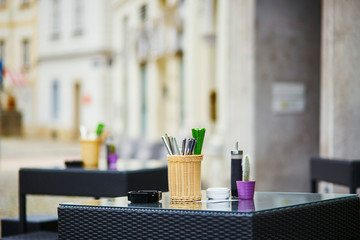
x=342 y=172
x=41 y=235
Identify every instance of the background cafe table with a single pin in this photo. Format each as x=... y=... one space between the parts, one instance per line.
x=268 y=216
x=101 y=182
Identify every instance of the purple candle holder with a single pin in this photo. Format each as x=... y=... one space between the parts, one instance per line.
x=246 y=189
x=112 y=159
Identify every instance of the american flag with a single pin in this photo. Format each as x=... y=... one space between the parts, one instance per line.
x=17 y=78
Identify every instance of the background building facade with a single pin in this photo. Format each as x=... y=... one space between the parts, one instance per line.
x=74 y=61
x=18 y=52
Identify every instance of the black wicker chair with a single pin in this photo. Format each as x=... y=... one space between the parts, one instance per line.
x=342 y=172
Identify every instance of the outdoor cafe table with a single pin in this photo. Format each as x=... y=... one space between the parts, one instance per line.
x=268 y=216
x=92 y=182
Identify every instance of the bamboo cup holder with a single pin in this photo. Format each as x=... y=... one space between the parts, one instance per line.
x=184 y=175
x=90 y=152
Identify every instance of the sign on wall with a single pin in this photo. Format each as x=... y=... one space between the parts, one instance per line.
x=86 y=99
x=288 y=97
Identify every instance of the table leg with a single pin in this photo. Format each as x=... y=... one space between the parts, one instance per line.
x=353 y=189
x=22 y=212
x=313 y=186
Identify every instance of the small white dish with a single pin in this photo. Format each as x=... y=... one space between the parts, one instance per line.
x=217 y=193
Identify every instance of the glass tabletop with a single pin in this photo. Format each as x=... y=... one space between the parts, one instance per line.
x=262 y=201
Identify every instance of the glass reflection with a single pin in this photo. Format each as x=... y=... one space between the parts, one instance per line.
x=219 y=206
x=186 y=205
x=246 y=205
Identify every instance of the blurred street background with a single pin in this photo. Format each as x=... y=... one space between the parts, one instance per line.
x=280 y=77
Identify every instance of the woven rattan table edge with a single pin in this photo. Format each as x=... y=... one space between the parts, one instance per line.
x=148 y=210
x=205 y=212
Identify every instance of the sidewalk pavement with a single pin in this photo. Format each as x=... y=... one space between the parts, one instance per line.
x=18 y=152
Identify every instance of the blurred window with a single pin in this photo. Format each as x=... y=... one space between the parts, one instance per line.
x=209 y=19
x=78 y=16
x=24 y=4
x=125 y=74
x=143 y=13
x=2 y=50
x=55 y=99
x=213 y=112
x=26 y=53
x=2 y=3
x=143 y=100
x=143 y=43
x=56 y=18
x=182 y=91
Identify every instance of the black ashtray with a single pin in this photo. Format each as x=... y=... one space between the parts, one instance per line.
x=74 y=163
x=144 y=196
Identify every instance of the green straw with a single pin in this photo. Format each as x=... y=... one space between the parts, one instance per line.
x=199 y=135
x=99 y=129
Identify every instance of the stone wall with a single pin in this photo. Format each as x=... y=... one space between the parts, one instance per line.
x=287 y=40
x=340 y=100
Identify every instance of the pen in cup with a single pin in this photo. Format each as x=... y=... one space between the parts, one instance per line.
x=193 y=146
x=173 y=147
x=176 y=147
x=187 y=148
x=167 y=145
x=183 y=146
